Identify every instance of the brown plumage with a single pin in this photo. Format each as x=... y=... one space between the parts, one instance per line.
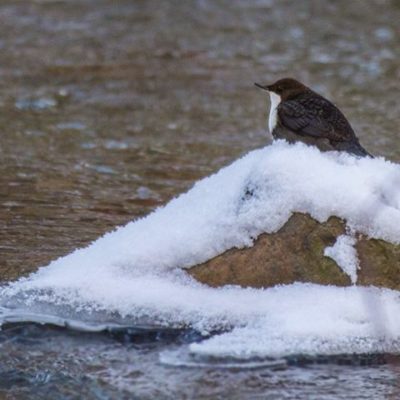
x=299 y=114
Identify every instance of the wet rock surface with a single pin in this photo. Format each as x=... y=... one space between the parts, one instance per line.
x=296 y=254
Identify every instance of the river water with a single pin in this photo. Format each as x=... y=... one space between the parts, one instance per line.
x=110 y=109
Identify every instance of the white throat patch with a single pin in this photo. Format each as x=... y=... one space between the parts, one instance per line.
x=273 y=112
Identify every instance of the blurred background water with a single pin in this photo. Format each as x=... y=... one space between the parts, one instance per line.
x=111 y=108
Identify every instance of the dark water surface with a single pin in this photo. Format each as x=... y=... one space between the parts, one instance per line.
x=50 y=364
x=111 y=108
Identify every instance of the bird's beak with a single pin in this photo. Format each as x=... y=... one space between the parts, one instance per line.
x=261 y=86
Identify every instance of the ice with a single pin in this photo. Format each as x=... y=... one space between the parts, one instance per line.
x=345 y=255
x=138 y=271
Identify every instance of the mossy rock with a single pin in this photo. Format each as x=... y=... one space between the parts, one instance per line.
x=380 y=263
x=296 y=254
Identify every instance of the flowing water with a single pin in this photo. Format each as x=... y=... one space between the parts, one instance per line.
x=109 y=109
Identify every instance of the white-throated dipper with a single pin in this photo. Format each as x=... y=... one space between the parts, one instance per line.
x=299 y=114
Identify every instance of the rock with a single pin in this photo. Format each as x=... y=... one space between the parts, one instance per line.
x=380 y=263
x=296 y=254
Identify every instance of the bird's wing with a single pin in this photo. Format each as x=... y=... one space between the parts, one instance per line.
x=315 y=117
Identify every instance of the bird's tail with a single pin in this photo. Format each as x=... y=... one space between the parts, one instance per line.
x=358 y=150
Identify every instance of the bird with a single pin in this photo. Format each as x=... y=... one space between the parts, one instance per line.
x=298 y=114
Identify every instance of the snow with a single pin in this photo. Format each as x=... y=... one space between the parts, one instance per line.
x=313 y=319
x=345 y=255
x=137 y=271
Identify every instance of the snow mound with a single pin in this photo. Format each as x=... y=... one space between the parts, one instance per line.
x=137 y=271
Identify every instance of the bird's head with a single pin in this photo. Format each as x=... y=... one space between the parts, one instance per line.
x=285 y=88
